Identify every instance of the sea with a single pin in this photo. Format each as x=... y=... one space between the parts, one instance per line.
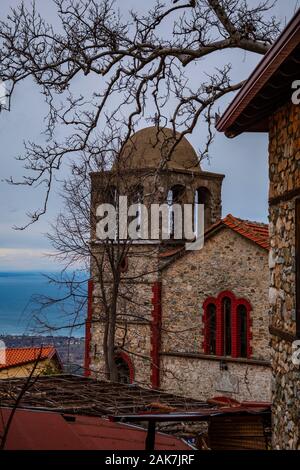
x=35 y=303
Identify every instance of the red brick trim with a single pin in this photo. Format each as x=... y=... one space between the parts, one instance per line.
x=126 y=358
x=155 y=334
x=88 y=322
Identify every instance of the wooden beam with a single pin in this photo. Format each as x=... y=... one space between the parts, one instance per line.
x=283 y=335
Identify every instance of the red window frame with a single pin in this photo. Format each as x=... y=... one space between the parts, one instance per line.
x=235 y=327
x=125 y=357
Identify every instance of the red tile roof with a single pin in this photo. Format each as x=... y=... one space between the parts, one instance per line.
x=255 y=231
x=36 y=430
x=19 y=356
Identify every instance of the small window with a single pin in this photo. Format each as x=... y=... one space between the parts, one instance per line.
x=242 y=323
x=227 y=326
x=211 y=319
x=175 y=197
x=203 y=196
x=124 y=265
x=122 y=370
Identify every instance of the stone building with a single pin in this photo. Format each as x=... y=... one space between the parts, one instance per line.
x=193 y=322
x=270 y=102
x=214 y=315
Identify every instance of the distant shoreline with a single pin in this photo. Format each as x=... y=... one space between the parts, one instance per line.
x=22 y=314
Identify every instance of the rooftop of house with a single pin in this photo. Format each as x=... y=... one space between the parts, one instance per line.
x=268 y=87
x=256 y=232
x=36 y=430
x=14 y=357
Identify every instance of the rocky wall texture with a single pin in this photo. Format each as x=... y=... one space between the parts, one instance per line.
x=227 y=262
x=203 y=379
x=284 y=155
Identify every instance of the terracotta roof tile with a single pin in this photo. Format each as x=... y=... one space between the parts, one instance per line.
x=255 y=231
x=19 y=356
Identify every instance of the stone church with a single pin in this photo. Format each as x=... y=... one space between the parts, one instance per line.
x=191 y=322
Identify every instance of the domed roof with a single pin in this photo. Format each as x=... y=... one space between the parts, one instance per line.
x=149 y=147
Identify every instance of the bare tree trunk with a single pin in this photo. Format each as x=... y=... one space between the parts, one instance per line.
x=112 y=369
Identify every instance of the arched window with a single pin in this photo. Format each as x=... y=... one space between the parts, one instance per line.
x=212 y=323
x=226 y=311
x=125 y=369
x=124 y=264
x=242 y=330
x=203 y=196
x=136 y=197
x=175 y=196
x=112 y=195
x=227 y=326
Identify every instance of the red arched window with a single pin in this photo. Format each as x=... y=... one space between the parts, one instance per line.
x=125 y=368
x=227 y=326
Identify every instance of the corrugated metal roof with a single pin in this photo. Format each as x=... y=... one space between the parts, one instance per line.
x=20 y=356
x=35 y=430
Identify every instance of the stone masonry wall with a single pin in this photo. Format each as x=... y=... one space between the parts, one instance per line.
x=202 y=379
x=134 y=313
x=227 y=262
x=284 y=155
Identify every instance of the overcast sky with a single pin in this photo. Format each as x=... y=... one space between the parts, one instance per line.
x=243 y=160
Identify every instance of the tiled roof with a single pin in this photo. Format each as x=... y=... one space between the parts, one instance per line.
x=254 y=231
x=19 y=356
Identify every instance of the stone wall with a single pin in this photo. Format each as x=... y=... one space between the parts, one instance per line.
x=134 y=313
x=203 y=378
x=284 y=155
